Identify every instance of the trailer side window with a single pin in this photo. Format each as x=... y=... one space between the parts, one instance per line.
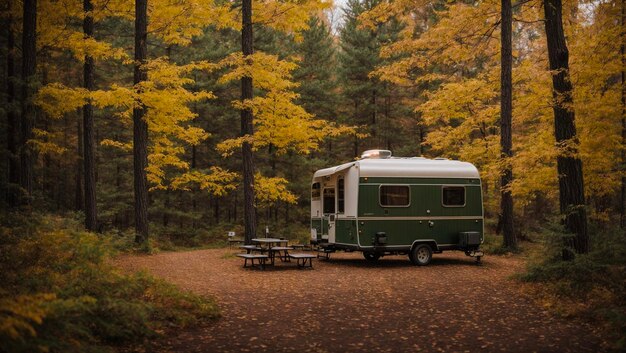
x=329 y=200
x=394 y=196
x=453 y=196
x=315 y=191
x=341 y=195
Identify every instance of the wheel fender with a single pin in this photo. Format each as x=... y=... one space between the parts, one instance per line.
x=430 y=242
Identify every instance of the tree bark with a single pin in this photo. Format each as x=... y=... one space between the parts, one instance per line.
x=622 y=50
x=79 y=201
x=89 y=144
x=569 y=165
x=506 y=114
x=193 y=191
x=13 y=123
x=140 y=126
x=29 y=113
x=247 y=127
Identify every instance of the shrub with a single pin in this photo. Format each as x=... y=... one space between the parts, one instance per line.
x=591 y=285
x=60 y=292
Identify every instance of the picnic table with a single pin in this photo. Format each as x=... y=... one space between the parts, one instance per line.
x=268 y=249
x=303 y=259
x=259 y=257
x=269 y=242
x=250 y=248
x=273 y=247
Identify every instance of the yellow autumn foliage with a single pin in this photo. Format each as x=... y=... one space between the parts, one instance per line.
x=218 y=182
x=166 y=94
x=269 y=190
x=288 y=16
x=278 y=120
x=20 y=315
x=454 y=49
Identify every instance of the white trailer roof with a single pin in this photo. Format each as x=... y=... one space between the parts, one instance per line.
x=415 y=167
x=332 y=170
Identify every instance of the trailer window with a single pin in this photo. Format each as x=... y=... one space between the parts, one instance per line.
x=453 y=196
x=315 y=191
x=394 y=195
x=341 y=195
x=329 y=200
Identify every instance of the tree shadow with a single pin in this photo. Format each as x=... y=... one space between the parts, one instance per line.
x=397 y=262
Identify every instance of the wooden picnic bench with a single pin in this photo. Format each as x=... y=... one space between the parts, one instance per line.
x=259 y=257
x=323 y=253
x=284 y=256
x=250 y=248
x=302 y=247
x=302 y=259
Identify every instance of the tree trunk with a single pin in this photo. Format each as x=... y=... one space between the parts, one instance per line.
x=247 y=127
x=13 y=123
x=622 y=48
x=63 y=196
x=216 y=210
x=422 y=138
x=506 y=113
x=140 y=126
x=118 y=183
x=374 y=127
x=356 y=138
x=79 y=201
x=166 y=209
x=193 y=191
x=89 y=148
x=29 y=113
x=570 y=171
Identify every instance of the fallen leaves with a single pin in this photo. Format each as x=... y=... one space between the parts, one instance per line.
x=347 y=305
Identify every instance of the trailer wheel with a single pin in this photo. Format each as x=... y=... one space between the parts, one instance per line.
x=371 y=256
x=421 y=255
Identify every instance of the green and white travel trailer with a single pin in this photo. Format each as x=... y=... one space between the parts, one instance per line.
x=384 y=205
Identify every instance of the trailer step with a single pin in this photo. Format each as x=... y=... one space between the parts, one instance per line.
x=475 y=253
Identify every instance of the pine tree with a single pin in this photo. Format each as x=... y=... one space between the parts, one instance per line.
x=359 y=57
x=317 y=70
x=369 y=101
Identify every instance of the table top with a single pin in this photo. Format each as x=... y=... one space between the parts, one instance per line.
x=269 y=240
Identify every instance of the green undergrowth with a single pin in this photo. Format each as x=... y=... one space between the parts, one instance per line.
x=492 y=245
x=215 y=236
x=492 y=242
x=591 y=286
x=60 y=292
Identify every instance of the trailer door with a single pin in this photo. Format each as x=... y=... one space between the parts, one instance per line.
x=328 y=223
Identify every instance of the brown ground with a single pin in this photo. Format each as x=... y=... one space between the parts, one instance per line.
x=349 y=305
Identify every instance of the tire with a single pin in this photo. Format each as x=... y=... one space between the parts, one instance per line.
x=371 y=256
x=421 y=255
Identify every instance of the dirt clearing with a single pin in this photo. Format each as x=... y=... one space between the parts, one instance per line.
x=349 y=305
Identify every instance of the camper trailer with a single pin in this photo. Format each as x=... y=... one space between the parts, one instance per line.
x=383 y=205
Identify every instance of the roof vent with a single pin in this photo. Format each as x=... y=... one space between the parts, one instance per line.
x=376 y=154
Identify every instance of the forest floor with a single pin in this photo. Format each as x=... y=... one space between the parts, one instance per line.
x=349 y=305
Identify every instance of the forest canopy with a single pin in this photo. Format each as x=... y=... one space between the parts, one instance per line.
x=420 y=78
